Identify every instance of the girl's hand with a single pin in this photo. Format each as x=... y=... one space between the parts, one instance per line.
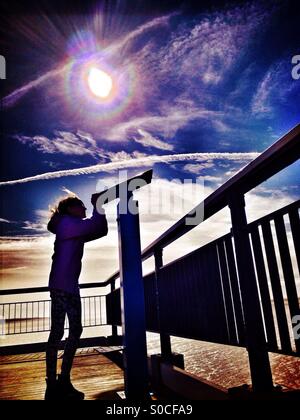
x=94 y=199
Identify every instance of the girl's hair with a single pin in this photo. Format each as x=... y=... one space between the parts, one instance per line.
x=64 y=203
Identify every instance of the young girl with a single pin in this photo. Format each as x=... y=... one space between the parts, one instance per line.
x=72 y=230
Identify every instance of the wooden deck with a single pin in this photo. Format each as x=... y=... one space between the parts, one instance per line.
x=22 y=377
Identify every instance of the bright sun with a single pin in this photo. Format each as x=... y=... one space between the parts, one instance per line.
x=99 y=82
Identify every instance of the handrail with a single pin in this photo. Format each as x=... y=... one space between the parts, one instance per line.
x=5 y=292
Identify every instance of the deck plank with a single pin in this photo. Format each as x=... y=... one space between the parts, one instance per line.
x=92 y=373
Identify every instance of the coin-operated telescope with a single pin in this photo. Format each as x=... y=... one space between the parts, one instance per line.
x=123 y=191
x=131 y=279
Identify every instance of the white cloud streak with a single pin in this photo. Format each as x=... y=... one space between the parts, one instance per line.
x=159 y=21
x=196 y=168
x=211 y=47
x=17 y=94
x=133 y=163
x=166 y=124
x=147 y=140
x=34 y=226
x=273 y=89
x=64 y=142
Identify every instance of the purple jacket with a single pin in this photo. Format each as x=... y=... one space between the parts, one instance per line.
x=71 y=234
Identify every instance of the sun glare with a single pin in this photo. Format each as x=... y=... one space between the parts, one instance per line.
x=100 y=83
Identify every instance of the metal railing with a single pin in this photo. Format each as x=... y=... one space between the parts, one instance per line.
x=200 y=292
x=272 y=237
x=35 y=316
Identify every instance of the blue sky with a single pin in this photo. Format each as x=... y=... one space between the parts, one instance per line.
x=213 y=83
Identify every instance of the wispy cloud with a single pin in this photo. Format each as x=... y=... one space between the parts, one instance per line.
x=17 y=94
x=133 y=163
x=196 y=168
x=273 y=89
x=64 y=142
x=166 y=123
x=122 y=155
x=34 y=226
x=140 y=30
x=147 y=140
x=4 y=221
x=210 y=48
x=81 y=143
x=205 y=50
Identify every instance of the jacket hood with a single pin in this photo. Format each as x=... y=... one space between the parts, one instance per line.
x=54 y=222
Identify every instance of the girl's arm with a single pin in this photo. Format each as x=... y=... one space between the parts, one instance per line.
x=89 y=229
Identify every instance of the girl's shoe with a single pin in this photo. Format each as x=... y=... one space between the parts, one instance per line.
x=66 y=390
x=51 y=390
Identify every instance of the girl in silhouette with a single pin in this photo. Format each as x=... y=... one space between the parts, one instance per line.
x=72 y=230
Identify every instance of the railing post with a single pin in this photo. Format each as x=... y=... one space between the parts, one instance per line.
x=256 y=343
x=165 y=341
x=114 y=328
x=132 y=303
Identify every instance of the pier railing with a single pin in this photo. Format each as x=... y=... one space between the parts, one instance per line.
x=200 y=292
x=34 y=316
x=24 y=321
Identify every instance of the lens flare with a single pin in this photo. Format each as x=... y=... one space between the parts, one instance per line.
x=100 y=83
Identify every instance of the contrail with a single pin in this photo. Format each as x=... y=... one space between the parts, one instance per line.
x=13 y=97
x=162 y=20
x=133 y=163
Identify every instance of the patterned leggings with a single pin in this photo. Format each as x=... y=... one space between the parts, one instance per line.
x=63 y=304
